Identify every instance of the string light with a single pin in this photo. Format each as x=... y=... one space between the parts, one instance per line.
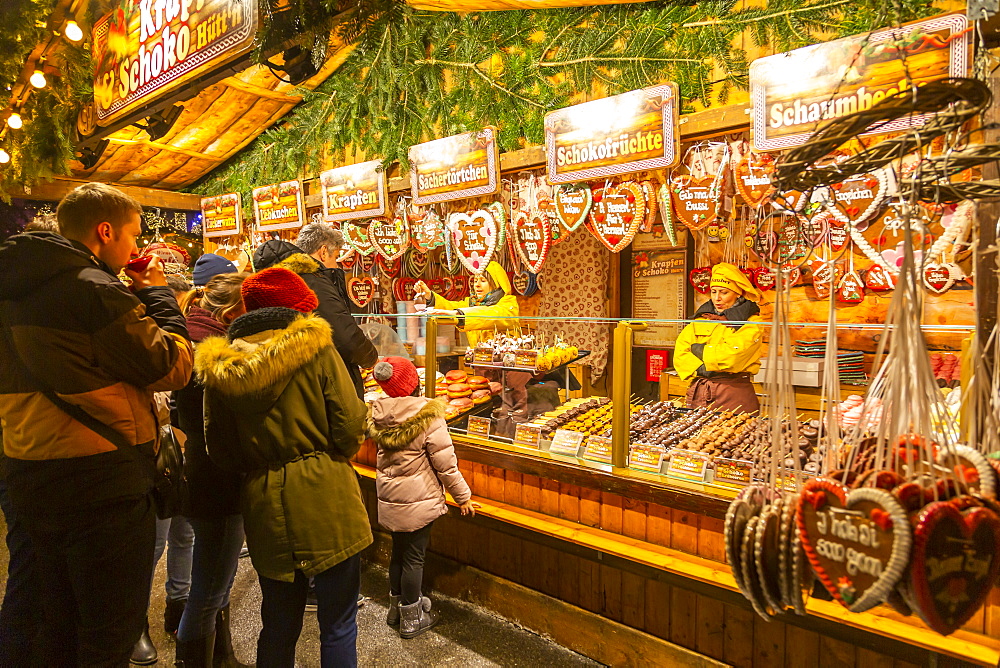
x=73 y=31
x=14 y=121
x=4 y=157
x=37 y=79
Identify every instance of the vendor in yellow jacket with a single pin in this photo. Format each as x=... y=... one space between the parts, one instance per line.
x=491 y=306
x=717 y=350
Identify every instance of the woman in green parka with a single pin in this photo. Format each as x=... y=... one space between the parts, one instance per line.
x=280 y=407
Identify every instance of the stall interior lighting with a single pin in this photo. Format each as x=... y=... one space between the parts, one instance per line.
x=4 y=157
x=14 y=121
x=38 y=79
x=73 y=31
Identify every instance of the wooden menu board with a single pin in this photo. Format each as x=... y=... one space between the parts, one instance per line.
x=457 y=167
x=659 y=283
x=278 y=206
x=354 y=191
x=794 y=93
x=625 y=133
x=222 y=215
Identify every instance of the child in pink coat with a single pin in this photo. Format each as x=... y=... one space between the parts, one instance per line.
x=416 y=462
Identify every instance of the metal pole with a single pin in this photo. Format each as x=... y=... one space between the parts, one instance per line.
x=430 y=357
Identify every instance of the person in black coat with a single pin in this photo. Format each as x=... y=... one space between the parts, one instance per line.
x=313 y=256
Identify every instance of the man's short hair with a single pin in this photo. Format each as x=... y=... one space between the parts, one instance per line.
x=85 y=207
x=314 y=236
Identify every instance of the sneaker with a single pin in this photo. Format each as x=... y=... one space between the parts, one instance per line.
x=311 y=600
x=362 y=599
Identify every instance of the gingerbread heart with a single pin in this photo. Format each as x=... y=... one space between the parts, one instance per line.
x=764 y=278
x=404 y=289
x=474 y=237
x=390 y=238
x=436 y=285
x=361 y=290
x=956 y=560
x=767 y=553
x=666 y=214
x=752 y=178
x=837 y=234
x=649 y=194
x=971 y=468
x=520 y=282
x=533 y=239
x=790 y=201
x=693 y=201
x=764 y=244
x=416 y=263
x=617 y=213
x=937 y=277
x=825 y=275
x=814 y=229
x=700 y=277
x=426 y=230
x=857 y=542
x=366 y=262
x=573 y=203
x=859 y=197
x=390 y=268
x=357 y=238
x=460 y=287
x=877 y=278
x=746 y=505
x=347 y=258
x=851 y=289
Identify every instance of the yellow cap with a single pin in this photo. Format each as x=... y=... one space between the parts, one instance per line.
x=725 y=275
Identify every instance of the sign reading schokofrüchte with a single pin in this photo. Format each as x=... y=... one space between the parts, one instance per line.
x=278 y=206
x=626 y=133
x=354 y=191
x=457 y=167
x=145 y=48
x=222 y=215
x=794 y=93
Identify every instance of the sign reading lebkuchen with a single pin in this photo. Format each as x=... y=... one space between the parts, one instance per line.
x=625 y=133
x=794 y=93
x=457 y=167
x=221 y=215
x=354 y=191
x=278 y=206
x=145 y=48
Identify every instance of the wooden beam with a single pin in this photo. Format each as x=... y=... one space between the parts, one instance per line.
x=505 y=5
x=260 y=91
x=166 y=147
x=58 y=187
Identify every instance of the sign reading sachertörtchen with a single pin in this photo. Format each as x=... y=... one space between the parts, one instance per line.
x=626 y=133
x=457 y=167
x=221 y=215
x=794 y=93
x=354 y=191
x=278 y=206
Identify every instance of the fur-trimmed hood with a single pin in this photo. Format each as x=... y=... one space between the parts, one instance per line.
x=300 y=263
x=261 y=363
x=394 y=423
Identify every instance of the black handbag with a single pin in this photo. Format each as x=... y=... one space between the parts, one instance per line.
x=169 y=481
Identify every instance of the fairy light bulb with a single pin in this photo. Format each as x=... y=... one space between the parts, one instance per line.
x=73 y=31
x=14 y=121
x=4 y=157
x=37 y=79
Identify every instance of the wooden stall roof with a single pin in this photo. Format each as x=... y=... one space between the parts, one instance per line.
x=215 y=125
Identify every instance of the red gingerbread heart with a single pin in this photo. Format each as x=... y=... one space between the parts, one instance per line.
x=361 y=290
x=700 y=277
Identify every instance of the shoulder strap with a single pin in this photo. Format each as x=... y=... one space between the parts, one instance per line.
x=83 y=417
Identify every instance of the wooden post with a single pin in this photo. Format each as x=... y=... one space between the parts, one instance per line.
x=987 y=215
x=621 y=391
x=430 y=358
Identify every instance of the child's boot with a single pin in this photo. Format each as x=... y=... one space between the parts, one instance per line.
x=392 y=619
x=416 y=618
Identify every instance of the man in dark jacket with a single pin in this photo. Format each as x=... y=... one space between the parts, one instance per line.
x=74 y=336
x=313 y=256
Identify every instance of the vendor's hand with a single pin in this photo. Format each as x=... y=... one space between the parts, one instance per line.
x=421 y=288
x=468 y=508
x=149 y=277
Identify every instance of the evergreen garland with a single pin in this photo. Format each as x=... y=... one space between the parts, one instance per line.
x=418 y=75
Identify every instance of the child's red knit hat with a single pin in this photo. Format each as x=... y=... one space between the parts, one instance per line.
x=277 y=286
x=396 y=376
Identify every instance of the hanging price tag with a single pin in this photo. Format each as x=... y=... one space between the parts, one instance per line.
x=566 y=442
x=528 y=434
x=598 y=449
x=645 y=458
x=526 y=358
x=482 y=357
x=687 y=465
x=786 y=481
x=734 y=472
x=479 y=426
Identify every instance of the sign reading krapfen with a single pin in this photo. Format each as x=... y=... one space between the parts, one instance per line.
x=626 y=133
x=145 y=48
x=278 y=206
x=458 y=167
x=221 y=215
x=794 y=93
x=354 y=191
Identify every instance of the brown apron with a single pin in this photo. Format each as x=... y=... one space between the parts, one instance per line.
x=732 y=392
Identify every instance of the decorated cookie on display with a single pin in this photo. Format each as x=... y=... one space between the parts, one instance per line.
x=767 y=554
x=390 y=268
x=747 y=504
x=416 y=263
x=649 y=195
x=616 y=214
x=851 y=289
x=694 y=203
x=938 y=278
x=361 y=290
x=825 y=275
x=348 y=256
x=367 y=262
x=791 y=560
x=814 y=229
x=764 y=278
x=357 y=238
x=532 y=239
x=859 y=198
x=390 y=238
x=572 y=202
x=972 y=469
x=700 y=277
x=426 y=230
x=751 y=578
x=474 y=237
x=877 y=278
x=666 y=213
x=752 y=178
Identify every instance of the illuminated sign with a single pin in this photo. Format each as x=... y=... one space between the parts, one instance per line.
x=222 y=215
x=354 y=191
x=278 y=206
x=147 y=47
x=458 y=167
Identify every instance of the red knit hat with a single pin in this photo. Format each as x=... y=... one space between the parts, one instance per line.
x=277 y=286
x=396 y=376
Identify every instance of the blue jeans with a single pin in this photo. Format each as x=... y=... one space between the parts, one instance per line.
x=217 y=544
x=284 y=603
x=178 y=534
x=21 y=613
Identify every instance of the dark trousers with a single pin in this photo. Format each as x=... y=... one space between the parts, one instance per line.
x=21 y=613
x=96 y=567
x=406 y=566
x=284 y=603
